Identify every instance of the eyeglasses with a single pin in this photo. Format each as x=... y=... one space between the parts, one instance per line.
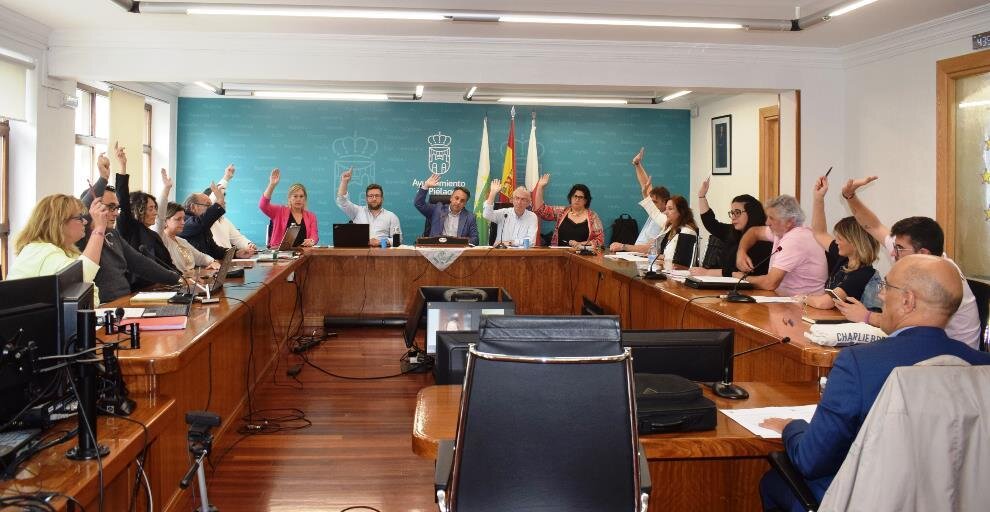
x=204 y=205
x=113 y=207
x=373 y=196
x=81 y=217
x=898 y=250
x=735 y=213
x=575 y=196
x=883 y=284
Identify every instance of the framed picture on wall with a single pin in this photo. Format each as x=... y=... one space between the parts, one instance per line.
x=722 y=145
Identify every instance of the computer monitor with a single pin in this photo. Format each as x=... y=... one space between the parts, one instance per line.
x=702 y=355
x=74 y=295
x=450 y=308
x=29 y=329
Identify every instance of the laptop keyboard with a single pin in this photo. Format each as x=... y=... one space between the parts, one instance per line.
x=169 y=310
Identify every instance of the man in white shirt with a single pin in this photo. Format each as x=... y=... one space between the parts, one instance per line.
x=514 y=224
x=380 y=221
x=654 y=203
x=913 y=235
x=225 y=233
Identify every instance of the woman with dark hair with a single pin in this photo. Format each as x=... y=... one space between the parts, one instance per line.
x=574 y=225
x=184 y=255
x=746 y=211
x=680 y=221
x=138 y=213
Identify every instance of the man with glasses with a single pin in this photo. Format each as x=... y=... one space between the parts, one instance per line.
x=381 y=222
x=919 y=296
x=447 y=220
x=514 y=224
x=913 y=235
x=201 y=214
x=120 y=264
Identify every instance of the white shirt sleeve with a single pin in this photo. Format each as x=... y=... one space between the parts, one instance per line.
x=350 y=209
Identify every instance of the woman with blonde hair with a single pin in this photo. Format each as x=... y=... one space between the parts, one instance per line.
x=47 y=244
x=295 y=214
x=850 y=255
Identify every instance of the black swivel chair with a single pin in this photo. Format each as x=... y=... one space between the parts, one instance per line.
x=547 y=421
x=981 y=290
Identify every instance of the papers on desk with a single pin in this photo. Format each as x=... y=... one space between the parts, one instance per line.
x=750 y=419
x=774 y=300
x=152 y=296
x=627 y=256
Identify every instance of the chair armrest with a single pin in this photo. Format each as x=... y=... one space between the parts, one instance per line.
x=782 y=464
x=445 y=463
x=645 y=483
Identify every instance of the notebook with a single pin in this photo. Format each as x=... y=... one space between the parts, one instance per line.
x=163 y=323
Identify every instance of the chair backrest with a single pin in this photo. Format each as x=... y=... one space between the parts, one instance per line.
x=493 y=226
x=434 y=199
x=546 y=426
x=981 y=290
x=924 y=443
x=713 y=253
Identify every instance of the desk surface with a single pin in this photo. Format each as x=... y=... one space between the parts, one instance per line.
x=437 y=408
x=51 y=471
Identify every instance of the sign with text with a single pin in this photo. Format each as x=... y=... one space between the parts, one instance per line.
x=981 y=40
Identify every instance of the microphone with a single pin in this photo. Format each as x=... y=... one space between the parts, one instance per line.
x=650 y=273
x=726 y=389
x=501 y=232
x=734 y=295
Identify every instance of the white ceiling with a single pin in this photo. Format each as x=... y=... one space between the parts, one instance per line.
x=873 y=20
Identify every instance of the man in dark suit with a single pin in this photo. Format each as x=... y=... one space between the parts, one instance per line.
x=919 y=295
x=452 y=220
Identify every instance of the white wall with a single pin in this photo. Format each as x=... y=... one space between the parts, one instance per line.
x=745 y=177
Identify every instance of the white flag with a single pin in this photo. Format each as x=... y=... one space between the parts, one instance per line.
x=532 y=160
x=481 y=189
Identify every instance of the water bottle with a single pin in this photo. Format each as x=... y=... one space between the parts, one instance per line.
x=383 y=241
x=652 y=257
x=526 y=243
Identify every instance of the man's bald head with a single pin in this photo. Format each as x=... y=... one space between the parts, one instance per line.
x=197 y=203
x=923 y=290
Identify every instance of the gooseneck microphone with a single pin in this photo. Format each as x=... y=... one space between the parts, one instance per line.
x=653 y=275
x=501 y=232
x=726 y=389
x=734 y=295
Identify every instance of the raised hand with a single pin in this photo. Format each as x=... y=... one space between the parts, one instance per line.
x=98 y=213
x=103 y=165
x=543 y=181
x=432 y=181
x=274 y=177
x=821 y=187
x=121 y=155
x=228 y=173
x=851 y=186
x=166 y=180
x=217 y=193
x=638 y=159
x=703 y=191
x=495 y=186
x=647 y=187
x=346 y=176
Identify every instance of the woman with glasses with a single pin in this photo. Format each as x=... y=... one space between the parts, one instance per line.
x=746 y=212
x=295 y=214
x=850 y=255
x=48 y=243
x=575 y=225
x=186 y=257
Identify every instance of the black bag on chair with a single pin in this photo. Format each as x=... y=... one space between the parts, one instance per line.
x=671 y=403
x=625 y=229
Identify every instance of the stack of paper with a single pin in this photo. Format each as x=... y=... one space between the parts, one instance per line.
x=750 y=419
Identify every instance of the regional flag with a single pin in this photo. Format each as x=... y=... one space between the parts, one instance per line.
x=482 y=187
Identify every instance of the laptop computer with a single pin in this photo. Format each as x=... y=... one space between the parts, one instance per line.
x=717 y=283
x=289 y=239
x=443 y=241
x=351 y=235
x=13 y=443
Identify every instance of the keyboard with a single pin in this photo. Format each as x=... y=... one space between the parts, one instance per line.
x=14 y=442
x=169 y=310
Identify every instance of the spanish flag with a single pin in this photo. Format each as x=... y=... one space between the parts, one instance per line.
x=509 y=165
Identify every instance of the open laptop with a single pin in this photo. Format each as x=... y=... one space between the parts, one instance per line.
x=351 y=235
x=289 y=239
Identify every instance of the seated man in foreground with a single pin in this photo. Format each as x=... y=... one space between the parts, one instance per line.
x=919 y=295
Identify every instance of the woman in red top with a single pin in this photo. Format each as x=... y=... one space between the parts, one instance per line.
x=294 y=214
x=576 y=224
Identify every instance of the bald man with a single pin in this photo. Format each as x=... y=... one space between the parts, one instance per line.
x=919 y=295
x=514 y=224
x=201 y=214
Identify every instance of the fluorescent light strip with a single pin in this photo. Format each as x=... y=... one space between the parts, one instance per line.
x=971 y=104
x=850 y=7
x=582 y=101
x=624 y=22
x=320 y=13
x=348 y=96
x=676 y=95
x=208 y=87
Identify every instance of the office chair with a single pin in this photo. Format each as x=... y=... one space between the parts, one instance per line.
x=923 y=445
x=434 y=199
x=981 y=291
x=546 y=423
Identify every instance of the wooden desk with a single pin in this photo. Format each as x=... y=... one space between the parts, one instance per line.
x=206 y=365
x=715 y=470
x=51 y=471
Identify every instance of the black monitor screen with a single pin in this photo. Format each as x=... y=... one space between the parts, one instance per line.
x=702 y=355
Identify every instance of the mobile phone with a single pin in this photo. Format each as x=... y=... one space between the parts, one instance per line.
x=835 y=296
